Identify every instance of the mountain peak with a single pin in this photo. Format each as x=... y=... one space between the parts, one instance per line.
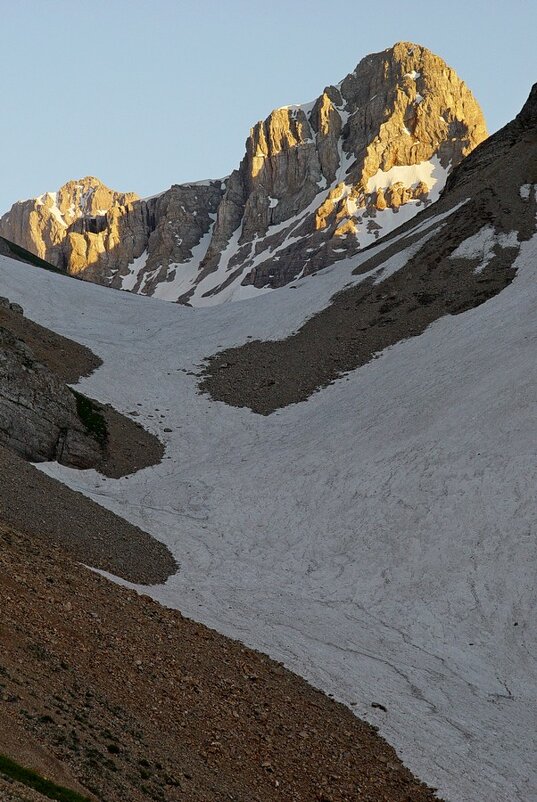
x=318 y=182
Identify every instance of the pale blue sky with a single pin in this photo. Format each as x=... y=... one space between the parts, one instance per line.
x=146 y=93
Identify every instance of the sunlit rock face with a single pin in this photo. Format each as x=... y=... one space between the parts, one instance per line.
x=317 y=182
x=69 y=227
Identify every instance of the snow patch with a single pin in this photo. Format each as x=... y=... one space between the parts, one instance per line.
x=152 y=197
x=296 y=107
x=183 y=275
x=430 y=172
x=49 y=200
x=135 y=267
x=481 y=246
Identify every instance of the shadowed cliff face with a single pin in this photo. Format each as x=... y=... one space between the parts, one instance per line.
x=317 y=182
x=39 y=415
x=42 y=419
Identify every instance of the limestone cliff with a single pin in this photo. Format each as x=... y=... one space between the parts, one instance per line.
x=317 y=182
x=49 y=225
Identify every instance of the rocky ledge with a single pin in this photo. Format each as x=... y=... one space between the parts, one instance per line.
x=41 y=418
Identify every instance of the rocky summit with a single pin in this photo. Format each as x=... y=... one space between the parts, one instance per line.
x=318 y=182
x=64 y=227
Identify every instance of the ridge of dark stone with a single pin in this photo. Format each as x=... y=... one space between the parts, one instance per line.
x=528 y=114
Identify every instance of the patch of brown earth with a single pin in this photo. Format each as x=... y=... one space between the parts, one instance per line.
x=69 y=360
x=369 y=317
x=138 y=703
x=35 y=503
x=11 y=791
x=129 y=447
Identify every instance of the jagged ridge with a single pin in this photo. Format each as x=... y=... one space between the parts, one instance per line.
x=318 y=182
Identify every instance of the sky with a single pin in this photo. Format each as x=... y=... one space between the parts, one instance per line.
x=147 y=93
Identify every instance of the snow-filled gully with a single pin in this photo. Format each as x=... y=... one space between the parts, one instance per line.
x=378 y=538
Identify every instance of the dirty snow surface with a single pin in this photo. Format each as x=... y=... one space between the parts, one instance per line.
x=379 y=538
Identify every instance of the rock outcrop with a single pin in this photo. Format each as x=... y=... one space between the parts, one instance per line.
x=52 y=225
x=41 y=419
x=318 y=182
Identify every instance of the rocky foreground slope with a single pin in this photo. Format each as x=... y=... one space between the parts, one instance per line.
x=114 y=696
x=317 y=182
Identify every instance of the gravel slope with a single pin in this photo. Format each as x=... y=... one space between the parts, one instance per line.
x=135 y=702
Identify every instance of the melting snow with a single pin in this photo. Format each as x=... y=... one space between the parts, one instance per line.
x=295 y=107
x=183 y=274
x=430 y=172
x=152 y=197
x=394 y=568
x=218 y=276
x=55 y=212
x=129 y=281
x=481 y=246
x=385 y=221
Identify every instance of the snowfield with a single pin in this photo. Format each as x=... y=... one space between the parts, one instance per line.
x=380 y=538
